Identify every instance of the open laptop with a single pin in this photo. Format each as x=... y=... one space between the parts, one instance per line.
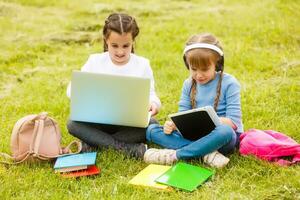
x=110 y=99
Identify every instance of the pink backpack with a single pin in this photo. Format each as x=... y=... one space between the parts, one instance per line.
x=37 y=137
x=269 y=145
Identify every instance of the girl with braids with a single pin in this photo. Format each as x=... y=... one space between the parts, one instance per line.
x=119 y=33
x=207 y=85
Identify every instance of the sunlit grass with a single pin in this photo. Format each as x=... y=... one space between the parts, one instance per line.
x=43 y=41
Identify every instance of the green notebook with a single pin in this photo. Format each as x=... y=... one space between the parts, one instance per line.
x=185 y=176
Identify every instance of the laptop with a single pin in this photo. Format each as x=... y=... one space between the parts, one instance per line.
x=110 y=99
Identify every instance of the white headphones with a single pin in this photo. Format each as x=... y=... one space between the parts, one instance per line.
x=220 y=64
x=203 y=45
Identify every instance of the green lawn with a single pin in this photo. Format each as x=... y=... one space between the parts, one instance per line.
x=43 y=41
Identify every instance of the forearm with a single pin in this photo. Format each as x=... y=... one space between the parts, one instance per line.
x=155 y=100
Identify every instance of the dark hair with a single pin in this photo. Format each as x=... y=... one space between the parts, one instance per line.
x=120 y=23
x=202 y=58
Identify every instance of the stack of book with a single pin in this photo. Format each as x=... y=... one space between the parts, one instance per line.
x=76 y=165
x=182 y=176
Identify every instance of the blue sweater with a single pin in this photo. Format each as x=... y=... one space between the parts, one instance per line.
x=229 y=103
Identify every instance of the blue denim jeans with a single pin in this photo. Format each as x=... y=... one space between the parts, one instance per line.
x=222 y=138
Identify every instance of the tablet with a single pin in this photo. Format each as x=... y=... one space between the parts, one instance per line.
x=196 y=123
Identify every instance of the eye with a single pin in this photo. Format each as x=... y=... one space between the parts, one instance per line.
x=114 y=45
x=126 y=46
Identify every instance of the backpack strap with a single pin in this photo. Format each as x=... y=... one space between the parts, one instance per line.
x=5 y=156
x=39 y=126
x=12 y=159
x=67 y=149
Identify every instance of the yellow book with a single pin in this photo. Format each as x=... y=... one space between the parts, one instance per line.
x=147 y=176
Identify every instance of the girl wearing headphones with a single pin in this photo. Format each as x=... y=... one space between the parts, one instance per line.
x=207 y=85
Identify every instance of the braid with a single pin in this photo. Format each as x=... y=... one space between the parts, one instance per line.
x=105 y=27
x=135 y=31
x=218 y=91
x=193 y=93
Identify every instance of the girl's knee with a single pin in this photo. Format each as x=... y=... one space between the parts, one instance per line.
x=230 y=138
x=152 y=128
x=71 y=126
x=226 y=132
x=153 y=121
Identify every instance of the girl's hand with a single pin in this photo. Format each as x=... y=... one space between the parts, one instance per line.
x=228 y=121
x=169 y=127
x=153 y=108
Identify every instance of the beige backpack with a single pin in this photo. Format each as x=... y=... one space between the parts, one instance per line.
x=37 y=137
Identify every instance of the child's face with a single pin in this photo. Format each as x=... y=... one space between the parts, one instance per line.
x=119 y=47
x=203 y=76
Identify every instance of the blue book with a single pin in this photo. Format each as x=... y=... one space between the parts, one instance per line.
x=76 y=160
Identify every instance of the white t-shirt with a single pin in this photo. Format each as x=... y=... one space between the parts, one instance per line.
x=137 y=66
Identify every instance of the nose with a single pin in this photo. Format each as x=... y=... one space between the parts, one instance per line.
x=199 y=75
x=120 y=52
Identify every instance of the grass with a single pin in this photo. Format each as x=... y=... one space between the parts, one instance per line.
x=43 y=41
